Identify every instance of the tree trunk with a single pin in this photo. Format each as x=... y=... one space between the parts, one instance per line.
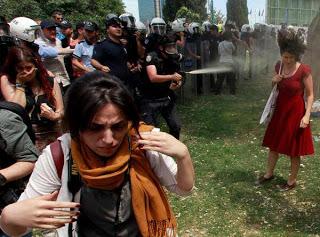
x=312 y=54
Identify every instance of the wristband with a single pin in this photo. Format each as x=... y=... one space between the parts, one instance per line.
x=20 y=85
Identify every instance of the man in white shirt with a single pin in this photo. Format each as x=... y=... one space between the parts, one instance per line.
x=52 y=53
x=226 y=50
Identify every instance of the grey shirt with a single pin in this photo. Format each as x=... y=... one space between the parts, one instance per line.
x=14 y=132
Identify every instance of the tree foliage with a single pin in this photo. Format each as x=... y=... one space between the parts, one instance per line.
x=171 y=7
x=191 y=16
x=73 y=10
x=237 y=11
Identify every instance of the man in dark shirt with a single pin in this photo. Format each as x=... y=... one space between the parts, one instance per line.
x=160 y=78
x=110 y=55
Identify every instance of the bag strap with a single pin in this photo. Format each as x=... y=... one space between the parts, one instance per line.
x=58 y=156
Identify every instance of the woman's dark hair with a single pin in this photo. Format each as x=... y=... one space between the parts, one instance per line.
x=18 y=55
x=89 y=94
x=290 y=42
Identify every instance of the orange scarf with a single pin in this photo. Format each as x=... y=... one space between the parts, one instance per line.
x=150 y=205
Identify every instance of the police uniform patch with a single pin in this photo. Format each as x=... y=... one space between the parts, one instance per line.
x=148 y=58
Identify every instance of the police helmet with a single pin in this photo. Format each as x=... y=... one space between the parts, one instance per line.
x=177 y=25
x=24 y=28
x=158 y=26
x=206 y=26
x=141 y=27
x=128 y=20
x=112 y=19
x=169 y=42
x=246 y=28
x=194 y=28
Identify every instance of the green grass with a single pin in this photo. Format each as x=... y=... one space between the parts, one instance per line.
x=224 y=138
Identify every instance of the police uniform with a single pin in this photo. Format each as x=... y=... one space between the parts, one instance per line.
x=114 y=56
x=158 y=98
x=83 y=51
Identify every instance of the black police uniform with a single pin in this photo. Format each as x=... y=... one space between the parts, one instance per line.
x=114 y=56
x=158 y=98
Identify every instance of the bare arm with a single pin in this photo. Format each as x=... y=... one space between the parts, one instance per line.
x=40 y=212
x=99 y=66
x=47 y=111
x=11 y=93
x=168 y=145
x=155 y=78
x=76 y=63
x=308 y=83
x=17 y=171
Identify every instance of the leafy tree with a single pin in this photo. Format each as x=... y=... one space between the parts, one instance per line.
x=190 y=16
x=217 y=17
x=12 y=9
x=237 y=11
x=171 y=7
x=73 y=10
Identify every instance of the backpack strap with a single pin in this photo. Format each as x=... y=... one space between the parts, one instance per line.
x=58 y=156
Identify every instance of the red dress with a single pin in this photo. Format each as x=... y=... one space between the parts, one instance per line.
x=284 y=134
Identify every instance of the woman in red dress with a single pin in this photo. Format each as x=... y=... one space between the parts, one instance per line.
x=289 y=130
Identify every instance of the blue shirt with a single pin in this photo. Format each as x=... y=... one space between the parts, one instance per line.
x=84 y=51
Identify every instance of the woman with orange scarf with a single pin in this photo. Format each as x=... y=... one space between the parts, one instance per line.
x=123 y=166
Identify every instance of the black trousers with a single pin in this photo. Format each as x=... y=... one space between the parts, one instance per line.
x=152 y=108
x=231 y=81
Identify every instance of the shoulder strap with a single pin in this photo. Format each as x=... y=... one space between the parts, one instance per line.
x=58 y=156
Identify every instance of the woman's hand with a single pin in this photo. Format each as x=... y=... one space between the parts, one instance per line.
x=304 y=121
x=23 y=77
x=163 y=143
x=277 y=78
x=40 y=212
x=47 y=112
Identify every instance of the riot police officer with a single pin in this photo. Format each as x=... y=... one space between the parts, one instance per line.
x=160 y=79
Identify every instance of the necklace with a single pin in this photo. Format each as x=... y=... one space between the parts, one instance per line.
x=290 y=71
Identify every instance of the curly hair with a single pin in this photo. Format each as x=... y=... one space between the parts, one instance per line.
x=290 y=42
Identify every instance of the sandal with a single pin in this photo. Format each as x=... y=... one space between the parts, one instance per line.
x=261 y=180
x=286 y=187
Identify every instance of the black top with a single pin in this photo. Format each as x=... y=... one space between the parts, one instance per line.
x=33 y=106
x=107 y=213
x=164 y=66
x=114 y=56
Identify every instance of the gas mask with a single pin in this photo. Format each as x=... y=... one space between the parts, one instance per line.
x=171 y=52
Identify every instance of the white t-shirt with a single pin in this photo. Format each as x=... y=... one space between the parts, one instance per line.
x=53 y=61
x=226 y=49
x=44 y=179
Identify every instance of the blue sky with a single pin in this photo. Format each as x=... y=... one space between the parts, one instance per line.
x=255 y=5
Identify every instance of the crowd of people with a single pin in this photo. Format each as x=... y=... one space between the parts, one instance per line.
x=91 y=104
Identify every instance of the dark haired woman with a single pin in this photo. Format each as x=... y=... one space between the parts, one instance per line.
x=289 y=130
x=25 y=81
x=123 y=165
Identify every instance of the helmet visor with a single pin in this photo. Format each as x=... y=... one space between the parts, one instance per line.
x=159 y=29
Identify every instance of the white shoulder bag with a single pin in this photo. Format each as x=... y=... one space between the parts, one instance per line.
x=271 y=103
